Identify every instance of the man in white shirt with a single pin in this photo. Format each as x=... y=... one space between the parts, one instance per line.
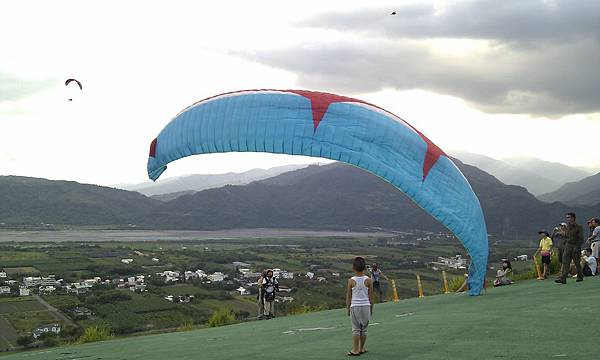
x=589 y=263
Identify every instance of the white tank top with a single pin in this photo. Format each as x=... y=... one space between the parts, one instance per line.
x=360 y=292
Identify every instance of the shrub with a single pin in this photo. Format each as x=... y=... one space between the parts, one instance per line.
x=112 y=296
x=455 y=283
x=95 y=333
x=24 y=340
x=70 y=332
x=188 y=326
x=50 y=341
x=221 y=318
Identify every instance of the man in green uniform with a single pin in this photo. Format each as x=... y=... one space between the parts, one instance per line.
x=572 y=249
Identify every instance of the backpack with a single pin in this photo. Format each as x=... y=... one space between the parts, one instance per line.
x=269 y=288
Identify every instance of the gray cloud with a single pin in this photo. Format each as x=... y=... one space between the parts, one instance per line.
x=543 y=60
x=13 y=88
x=507 y=20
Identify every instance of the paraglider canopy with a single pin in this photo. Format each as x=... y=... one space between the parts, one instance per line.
x=300 y=122
x=68 y=81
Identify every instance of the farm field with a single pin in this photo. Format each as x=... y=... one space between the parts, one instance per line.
x=14 y=271
x=25 y=322
x=8 y=335
x=15 y=305
x=19 y=316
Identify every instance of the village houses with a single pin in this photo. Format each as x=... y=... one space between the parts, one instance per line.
x=51 y=328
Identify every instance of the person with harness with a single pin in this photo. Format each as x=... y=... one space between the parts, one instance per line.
x=259 y=296
x=559 y=239
x=269 y=286
x=376 y=274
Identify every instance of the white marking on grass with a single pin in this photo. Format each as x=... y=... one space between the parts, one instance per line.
x=560 y=355
x=405 y=314
x=291 y=332
x=316 y=328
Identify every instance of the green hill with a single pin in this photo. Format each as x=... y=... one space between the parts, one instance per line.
x=528 y=320
x=28 y=202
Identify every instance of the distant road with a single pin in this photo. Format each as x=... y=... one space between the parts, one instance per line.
x=175 y=235
x=55 y=311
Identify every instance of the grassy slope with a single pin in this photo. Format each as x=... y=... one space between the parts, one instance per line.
x=529 y=320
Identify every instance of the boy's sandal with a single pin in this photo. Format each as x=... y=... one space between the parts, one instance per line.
x=350 y=353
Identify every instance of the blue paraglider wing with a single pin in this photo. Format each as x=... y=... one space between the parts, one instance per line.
x=298 y=122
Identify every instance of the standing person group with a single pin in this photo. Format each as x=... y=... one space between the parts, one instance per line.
x=267 y=287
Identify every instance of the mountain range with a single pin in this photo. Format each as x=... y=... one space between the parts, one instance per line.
x=172 y=188
x=340 y=196
x=584 y=192
x=537 y=176
x=335 y=196
x=26 y=201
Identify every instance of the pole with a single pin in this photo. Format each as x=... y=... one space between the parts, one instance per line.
x=446 y=291
x=420 y=285
x=395 y=292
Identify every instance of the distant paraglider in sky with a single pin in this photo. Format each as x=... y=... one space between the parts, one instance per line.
x=68 y=81
x=300 y=122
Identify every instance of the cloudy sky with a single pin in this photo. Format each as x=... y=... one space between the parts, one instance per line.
x=499 y=78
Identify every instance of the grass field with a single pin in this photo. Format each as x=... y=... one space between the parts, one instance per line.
x=20 y=305
x=528 y=320
x=8 y=335
x=12 y=271
x=25 y=322
x=19 y=316
x=21 y=255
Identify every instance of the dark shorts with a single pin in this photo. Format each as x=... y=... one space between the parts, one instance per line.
x=546 y=259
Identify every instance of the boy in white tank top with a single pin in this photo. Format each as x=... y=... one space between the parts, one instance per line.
x=359 y=304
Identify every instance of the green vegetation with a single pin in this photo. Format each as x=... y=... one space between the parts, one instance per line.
x=18 y=305
x=24 y=270
x=26 y=322
x=63 y=302
x=95 y=333
x=9 y=335
x=221 y=318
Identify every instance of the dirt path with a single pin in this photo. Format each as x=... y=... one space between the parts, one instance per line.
x=55 y=311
